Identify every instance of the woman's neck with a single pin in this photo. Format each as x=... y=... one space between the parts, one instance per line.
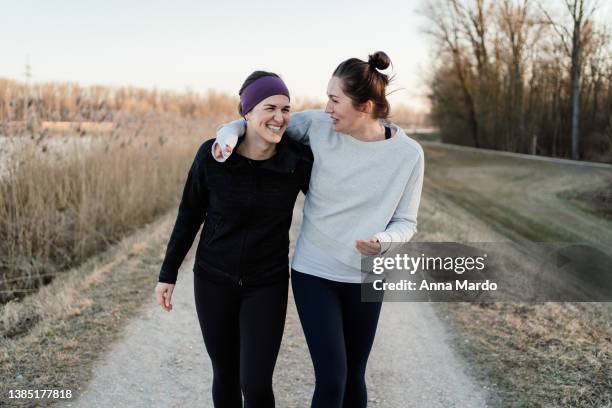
x=370 y=131
x=254 y=147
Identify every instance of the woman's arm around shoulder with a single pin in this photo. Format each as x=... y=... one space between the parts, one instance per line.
x=298 y=129
x=301 y=124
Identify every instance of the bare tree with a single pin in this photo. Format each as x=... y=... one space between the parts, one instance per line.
x=451 y=24
x=574 y=36
x=519 y=31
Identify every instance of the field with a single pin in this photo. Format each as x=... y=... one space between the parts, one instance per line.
x=65 y=197
x=539 y=354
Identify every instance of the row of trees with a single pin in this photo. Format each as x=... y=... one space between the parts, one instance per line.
x=523 y=76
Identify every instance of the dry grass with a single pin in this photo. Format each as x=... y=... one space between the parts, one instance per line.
x=23 y=106
x=540 y=355
x=60 y=205
x=66 y=127
x=79 y=315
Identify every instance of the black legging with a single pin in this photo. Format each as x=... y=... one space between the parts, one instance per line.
x=339 y=330
x=242 y=329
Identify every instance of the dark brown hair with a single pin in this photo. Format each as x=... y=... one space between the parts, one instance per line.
x=250 y=79
x=362 y=82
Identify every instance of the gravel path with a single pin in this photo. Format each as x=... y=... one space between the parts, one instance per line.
x=161 y=360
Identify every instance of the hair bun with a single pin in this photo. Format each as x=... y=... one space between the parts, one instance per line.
x=379 y=60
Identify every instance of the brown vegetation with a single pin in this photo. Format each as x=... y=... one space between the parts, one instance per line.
x=51 y=339
x=539 y=355
x=58 y=206
x=69 y=102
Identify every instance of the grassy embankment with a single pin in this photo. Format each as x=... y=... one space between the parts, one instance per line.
x=537 y=354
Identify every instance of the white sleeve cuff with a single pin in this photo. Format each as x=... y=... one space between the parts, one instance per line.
x=384 y=239
x=223 y=153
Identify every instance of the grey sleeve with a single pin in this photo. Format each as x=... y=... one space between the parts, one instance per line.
x=403 y=224
x=300 y=124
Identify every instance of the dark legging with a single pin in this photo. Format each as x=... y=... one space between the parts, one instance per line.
x=339 y=330
x=242 y=329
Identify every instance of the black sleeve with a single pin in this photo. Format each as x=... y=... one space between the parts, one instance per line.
x=191 y=213
x=307 y=160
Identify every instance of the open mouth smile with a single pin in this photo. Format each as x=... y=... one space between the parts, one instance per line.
x=274 y=129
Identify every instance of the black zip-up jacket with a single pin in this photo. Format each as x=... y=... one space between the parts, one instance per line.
x=246 y=206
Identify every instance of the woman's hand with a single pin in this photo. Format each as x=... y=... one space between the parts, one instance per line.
x=369 y=247
x=217 y=151
x=163 y=292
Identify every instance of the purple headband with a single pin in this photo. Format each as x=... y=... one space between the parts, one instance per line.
x=259 y=90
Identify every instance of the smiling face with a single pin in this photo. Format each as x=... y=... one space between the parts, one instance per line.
x=340 y=108
x=269 y=118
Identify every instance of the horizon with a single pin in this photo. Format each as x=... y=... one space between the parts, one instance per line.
x=195 y=46
x=199 y=47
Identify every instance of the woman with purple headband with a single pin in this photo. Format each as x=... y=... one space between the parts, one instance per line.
x=241 y=267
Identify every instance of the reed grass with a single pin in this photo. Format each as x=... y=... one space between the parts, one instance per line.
x=61 y=205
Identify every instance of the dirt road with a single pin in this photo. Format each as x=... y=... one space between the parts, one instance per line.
x=161 y=360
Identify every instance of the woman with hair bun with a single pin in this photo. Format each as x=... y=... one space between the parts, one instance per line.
x=363 y=196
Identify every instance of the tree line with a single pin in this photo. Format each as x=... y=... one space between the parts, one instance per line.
x=57 y=101
x=524 y=76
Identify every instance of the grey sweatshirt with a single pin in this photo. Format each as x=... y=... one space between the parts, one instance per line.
x=357 y=189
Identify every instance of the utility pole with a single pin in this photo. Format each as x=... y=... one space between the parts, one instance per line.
x=28 y=118
x=28 y=76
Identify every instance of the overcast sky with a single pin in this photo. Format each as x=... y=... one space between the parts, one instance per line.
x=201 y=45
x=209 y=44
